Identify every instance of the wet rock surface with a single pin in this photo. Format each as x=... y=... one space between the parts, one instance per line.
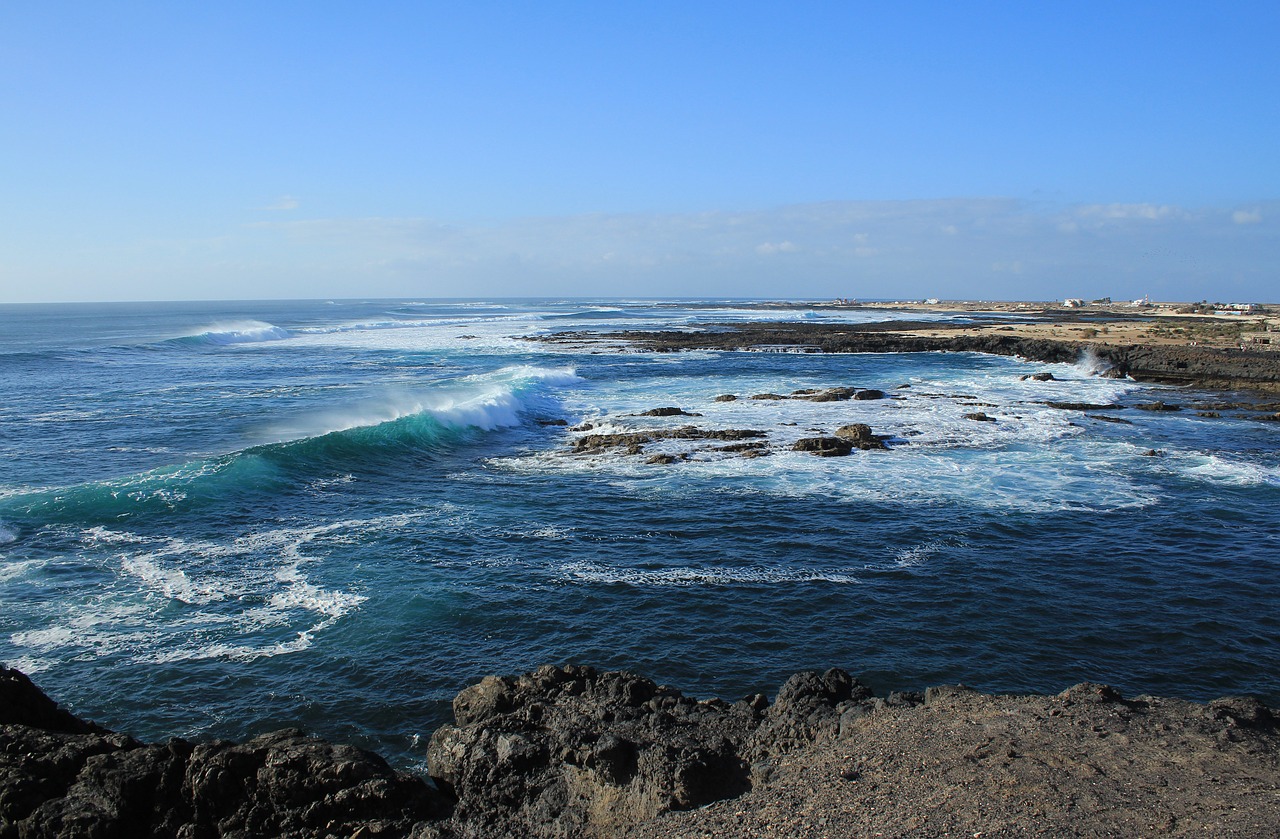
x=573 y=751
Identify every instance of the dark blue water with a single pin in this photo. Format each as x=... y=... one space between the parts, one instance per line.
x=217 y=519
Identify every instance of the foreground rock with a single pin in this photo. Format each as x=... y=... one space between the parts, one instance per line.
x=62 y=777
x=572 y=751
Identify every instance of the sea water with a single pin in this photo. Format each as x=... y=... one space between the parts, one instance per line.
x=221 y=518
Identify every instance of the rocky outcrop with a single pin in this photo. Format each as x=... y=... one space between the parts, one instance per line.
x=823 y=446
x=667 y=412
x=576 y=752
x=859 y=435
x=62 y=777
x=596 y=443
x=570 y=751
x=1204 y=366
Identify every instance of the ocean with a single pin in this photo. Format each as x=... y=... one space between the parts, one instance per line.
x=217 y=519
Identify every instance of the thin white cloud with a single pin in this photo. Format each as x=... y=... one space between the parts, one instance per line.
x=1005 y=249
x=284 y=202
x=1150 y=212
x=766 y=248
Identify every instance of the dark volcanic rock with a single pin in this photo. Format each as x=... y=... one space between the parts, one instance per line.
x=769 y=396
x=571 y=751
x=663 y=459
x=1157 y=406
x=667 y=412
x=1200 y=365
x=633 y=442
x=869 y=393
x=831 y=394
x=860 y=436
x=749 y=446
x=823 y=446
x=1083 y=406
x=1110 y=419
x=589 y=443
x=979 y=416
x=575 y=752
x=726 y=397
x=1038 y=377
x=61 y=777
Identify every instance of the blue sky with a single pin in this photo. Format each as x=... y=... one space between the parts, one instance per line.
x=975 y=150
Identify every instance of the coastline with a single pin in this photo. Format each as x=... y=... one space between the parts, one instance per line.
x=571 y=751
x=1160 y=346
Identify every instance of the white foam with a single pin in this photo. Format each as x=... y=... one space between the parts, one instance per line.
x=488 y=401
x=234 y=592
x=173 y=583
x=7 y=535
x=239 y=332
x=14 y=570
x=29 y=665
x=586 y=572
x=917 y=555
x=1223 y=471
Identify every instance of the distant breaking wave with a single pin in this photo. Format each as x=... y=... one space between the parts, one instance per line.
x=235 y=332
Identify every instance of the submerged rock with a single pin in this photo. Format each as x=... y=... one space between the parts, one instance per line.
x=979 y=416
x=831 y=394
x=1084 y=406
x=667 y=412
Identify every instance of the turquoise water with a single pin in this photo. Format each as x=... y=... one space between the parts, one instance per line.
x=221 y=518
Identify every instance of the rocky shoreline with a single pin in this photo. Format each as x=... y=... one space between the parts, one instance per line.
x=572 y=751
x=1188 y=363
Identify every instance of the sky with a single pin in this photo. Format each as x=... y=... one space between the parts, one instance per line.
x=979 y=150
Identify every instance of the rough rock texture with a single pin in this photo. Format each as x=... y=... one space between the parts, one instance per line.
x=823 y=446
x=667 y=412
x=1084 y=763
x=572 y=751
x=575 y=752
x=61 y=777
x=859 y=435
x=596 y=443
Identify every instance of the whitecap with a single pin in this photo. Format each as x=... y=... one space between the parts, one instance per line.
x=237 y=332
x=685 y=576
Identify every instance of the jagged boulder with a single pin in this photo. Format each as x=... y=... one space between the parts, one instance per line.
x=859 y=435
x=823 y=446
x=573 y=751
x=63 y=777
